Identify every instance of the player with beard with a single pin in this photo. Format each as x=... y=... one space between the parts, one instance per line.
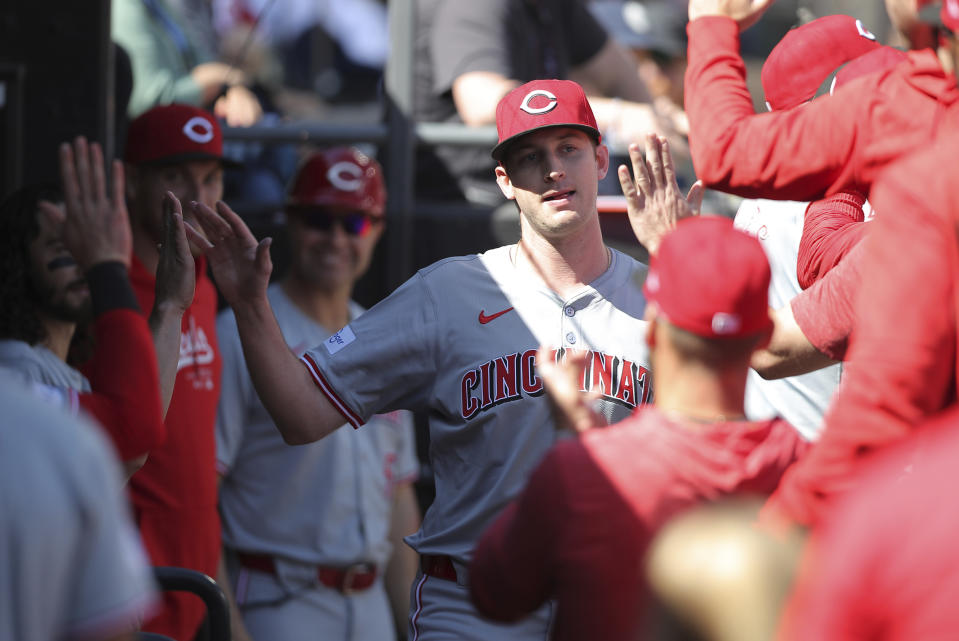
x=66 y=267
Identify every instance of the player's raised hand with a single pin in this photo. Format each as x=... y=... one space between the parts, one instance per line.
x=176 y=272
x=744 y=12
x=96 y=228
x=241 y=266
x=654 y=202
x=572 y=408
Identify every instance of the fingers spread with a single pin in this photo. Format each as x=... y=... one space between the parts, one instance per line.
x=212 y=224
x=196 y=237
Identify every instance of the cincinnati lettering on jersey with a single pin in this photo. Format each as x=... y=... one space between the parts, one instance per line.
x=513 y=376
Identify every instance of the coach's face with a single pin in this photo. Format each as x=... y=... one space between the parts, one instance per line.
x=331 y=247
x=553 y=175
x=195 y=180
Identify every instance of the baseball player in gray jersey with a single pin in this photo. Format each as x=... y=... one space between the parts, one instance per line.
x=313 y=534
x=459 y=340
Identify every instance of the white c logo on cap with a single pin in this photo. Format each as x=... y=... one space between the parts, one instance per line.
x=198 y=130
x=345 y=176
x=538 y=110
x=865 y=33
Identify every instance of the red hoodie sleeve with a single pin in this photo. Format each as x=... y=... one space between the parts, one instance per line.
x=798 y=154
x=831 y=228
x=902 y=360
x=125 y=383
x=826 y=312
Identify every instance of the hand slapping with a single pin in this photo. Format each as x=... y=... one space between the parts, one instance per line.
x=654 y=202
x=241 y=266
x=96 y=228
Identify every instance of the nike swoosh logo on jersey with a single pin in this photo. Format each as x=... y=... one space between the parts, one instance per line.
x=483 y=318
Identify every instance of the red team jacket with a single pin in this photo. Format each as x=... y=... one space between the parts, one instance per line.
x=818 y=149
x=174 y=495
x=125 y=397
x=580 y=530
x=902 y=359
x=902 y=362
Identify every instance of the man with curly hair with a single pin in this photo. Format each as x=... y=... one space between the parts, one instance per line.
x=65 y=263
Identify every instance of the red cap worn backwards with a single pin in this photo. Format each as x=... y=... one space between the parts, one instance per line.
x=539 y=104
x=174 y=133
x=797 y=66
x=711 y=279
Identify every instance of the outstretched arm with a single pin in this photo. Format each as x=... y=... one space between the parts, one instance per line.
x=241 y=267
x=123 y=374
x=175 y=287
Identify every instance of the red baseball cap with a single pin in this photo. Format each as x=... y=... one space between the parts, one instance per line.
x=711 y=279
x=174 y=133
x=807 y=55
x=540 y=104
x=340 y=177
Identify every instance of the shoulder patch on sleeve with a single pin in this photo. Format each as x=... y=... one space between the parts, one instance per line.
x=339 y=340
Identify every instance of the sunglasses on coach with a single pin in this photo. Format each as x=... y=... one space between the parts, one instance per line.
x=353 y=223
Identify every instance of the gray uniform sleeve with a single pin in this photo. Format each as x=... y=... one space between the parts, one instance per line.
x=236 y=393
x=384 y=360
x=113 y=581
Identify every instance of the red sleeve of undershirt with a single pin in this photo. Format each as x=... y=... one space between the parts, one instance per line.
x=513 y=564
x=124 y=379
x=902 y=358
x=831 y=228
x=826 y=311
x=797 y=154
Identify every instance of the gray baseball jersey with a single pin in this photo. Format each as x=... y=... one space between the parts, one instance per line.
x=801 y=400
x=38 y=364
x=458 y=340
x=327 y=503
x=69 y=553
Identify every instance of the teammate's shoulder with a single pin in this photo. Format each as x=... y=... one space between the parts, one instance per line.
x=468 y=261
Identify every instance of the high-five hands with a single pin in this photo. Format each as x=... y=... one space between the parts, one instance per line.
x=96 y=227
x=241 y=266
x=654 y=202
x=176 y=271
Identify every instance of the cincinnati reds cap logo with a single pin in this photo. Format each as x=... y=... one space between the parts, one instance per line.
x=865 y=33
x=535 y=111
x=345 y=176
x=199 y=130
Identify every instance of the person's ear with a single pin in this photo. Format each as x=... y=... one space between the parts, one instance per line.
x=602 y=160
x=505 y=185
